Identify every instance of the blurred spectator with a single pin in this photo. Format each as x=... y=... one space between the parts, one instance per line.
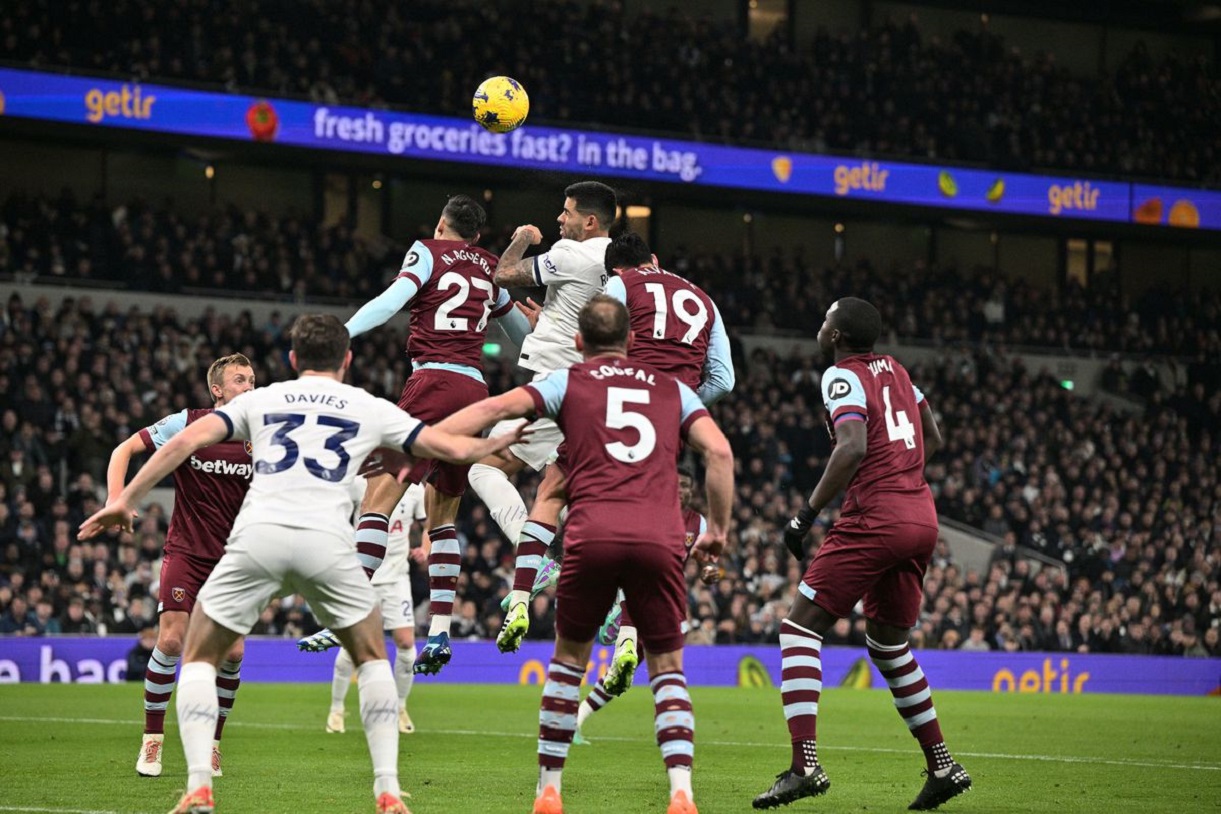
x=138 y=656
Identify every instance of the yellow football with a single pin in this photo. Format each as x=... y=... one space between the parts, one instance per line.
x=500 y=104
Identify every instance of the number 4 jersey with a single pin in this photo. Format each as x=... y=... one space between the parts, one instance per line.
x=309 y=439
x=889 y=485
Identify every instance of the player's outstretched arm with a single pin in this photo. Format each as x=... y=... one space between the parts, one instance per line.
x=708 y=440
x=472 y=420
x=208 y=430
x=461 y=449
x=381 y=308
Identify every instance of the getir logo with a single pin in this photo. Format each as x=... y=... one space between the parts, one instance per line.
x=869 y=176
x=128 y=103
x=1063 y=197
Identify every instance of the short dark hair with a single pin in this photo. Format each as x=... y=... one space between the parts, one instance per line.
x=858 y=321
x=594 y=198
x=627 y=251
x=320 y=342
x=464 y=215
x=685 y=471
x=603 y=323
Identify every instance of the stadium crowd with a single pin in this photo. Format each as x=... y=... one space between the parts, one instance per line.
x=886 y=90
x=152 y=248
x=1127 y=504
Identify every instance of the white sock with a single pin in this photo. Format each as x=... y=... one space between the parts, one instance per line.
x=341 y=679
x=583 y=713
x=519 y=596
x=197 y=712
x=680 y=780
x=504 y=502
x=548 y=777
x=404 y=675
x=439 y=624
x=626 y=632
x=379 y=713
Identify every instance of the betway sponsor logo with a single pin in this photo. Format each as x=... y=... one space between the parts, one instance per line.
x=223 y=468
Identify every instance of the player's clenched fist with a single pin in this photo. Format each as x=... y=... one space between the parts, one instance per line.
x=528 y=233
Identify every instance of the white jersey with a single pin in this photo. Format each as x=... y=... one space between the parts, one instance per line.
x=409 y=512
x=309 y=439
x=574 y=273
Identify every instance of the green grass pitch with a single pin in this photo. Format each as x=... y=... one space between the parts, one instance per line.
x=72 y=748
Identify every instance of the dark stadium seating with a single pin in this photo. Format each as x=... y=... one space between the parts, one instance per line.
x=148 y=248
x=1125 y=502
x=887 y=90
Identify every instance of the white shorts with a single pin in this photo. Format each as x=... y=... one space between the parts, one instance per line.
x=266 y=560
x=394 y=598
x=540 y=449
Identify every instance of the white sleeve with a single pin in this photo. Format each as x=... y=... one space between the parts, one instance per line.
x=560 y=265
x=237 y=415
x=398 y=428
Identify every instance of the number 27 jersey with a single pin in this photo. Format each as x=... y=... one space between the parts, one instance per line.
x=889 y=484
x=455 y=299
x=309 y=438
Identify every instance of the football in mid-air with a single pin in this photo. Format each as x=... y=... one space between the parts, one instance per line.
x=500 y=104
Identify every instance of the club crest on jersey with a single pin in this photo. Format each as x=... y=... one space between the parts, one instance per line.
x=179 y=594
x=839 y=388
x=249 y=447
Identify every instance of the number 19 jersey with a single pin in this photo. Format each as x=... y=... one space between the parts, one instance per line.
x=889 y=484
x=309 y=439
x=672 y=320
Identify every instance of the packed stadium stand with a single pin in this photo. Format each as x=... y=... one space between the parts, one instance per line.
x=1106 y=518
x=156 y=248
x=888 y=89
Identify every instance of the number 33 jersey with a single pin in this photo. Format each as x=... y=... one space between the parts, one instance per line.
x=309 y=439
x=889 y=485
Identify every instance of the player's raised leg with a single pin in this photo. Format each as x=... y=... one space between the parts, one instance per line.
x=536 y=537
x=444 y=565
x=490 y=480
x=622 y=670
